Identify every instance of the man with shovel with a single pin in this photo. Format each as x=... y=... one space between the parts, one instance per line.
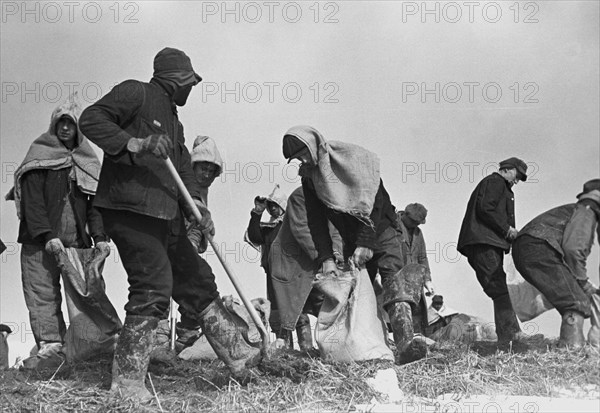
x=136 y=125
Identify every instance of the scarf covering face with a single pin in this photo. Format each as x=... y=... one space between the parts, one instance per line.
x=48 y=152
x=173 y=70
x=346 y=176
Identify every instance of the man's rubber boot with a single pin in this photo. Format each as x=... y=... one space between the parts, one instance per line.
x=304 y=333
x=186 y=337
x=225 y=337
x=408 y=347
x=132 y=356
x=507 y=325
x=161 y=351
x=571 y=330
x=287 y=338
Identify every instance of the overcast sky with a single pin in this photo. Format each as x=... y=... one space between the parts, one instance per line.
x=441 y=93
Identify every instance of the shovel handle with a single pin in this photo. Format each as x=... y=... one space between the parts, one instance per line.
x=188 y=199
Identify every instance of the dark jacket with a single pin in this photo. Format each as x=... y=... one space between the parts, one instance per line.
x=353 y=231
x=569 y=229
x=490 y=214
x=43 y=193
x=139 y=183
x=263 y=236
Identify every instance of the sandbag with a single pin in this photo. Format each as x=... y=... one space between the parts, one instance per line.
x=527 y=301
x=202 y=350
x=93 y=321
x=349 y=327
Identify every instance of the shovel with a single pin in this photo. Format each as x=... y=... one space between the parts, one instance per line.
x=251 y=310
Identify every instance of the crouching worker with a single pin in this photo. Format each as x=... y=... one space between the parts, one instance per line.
x=136 y=125
x=291 y=260
x=53 y=192
x=551 y=253
x=341 y=182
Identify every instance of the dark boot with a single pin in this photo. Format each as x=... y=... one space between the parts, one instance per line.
x=186 y=337
x=161 y=351
x=286 y=336
x=225 y=336
x=571 y=330
x=507 y=326
x=132 y=357
x=304 y=333
x=408 y=348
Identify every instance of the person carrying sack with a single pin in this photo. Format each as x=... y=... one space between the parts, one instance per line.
x=54 y=191
x=341 y=182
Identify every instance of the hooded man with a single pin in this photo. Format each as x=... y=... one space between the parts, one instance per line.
x=54 y=190
x=207 y=165
x=551 y=253
x=137 y=127
x=487 y=231
x=341 y=183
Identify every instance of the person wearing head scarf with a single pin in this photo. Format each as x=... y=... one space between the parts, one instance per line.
x=137 y=126
x=261 y=234
x=486 y=234
x=342 y=184
x=551 y=251
x=53 y=193
x=207 y=165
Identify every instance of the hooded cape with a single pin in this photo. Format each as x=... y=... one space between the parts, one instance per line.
x=48 y=152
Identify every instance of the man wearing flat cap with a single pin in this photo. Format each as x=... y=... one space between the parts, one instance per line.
x=486 y=234
x=551 y=253
x=137 y=127
x=414 y=251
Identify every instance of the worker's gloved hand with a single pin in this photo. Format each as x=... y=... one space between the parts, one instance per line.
x=104 y=248
x=206 y=224
x=157 y=145
x=430 y=288
x=260 y=204
x=54 y=246
x=329 y=267
x=588 y=287
x=512 y=234
x=361 y=256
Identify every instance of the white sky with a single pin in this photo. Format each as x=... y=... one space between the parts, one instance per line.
x=360 y=67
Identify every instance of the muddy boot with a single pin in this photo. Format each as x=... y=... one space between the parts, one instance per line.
x=304 y=333
x=408 y=347
x=161 y=351
x=186 y=337
x=287 y=338
x=507 y=326
x=225 y=337
x=571 y=330
x=132 y=357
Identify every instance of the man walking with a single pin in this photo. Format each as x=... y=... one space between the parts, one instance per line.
x=486 y=234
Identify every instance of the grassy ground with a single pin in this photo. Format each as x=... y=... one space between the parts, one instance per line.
x=296 y=382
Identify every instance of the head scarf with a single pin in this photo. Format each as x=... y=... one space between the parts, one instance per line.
x=48 y=152
x=346 y=176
